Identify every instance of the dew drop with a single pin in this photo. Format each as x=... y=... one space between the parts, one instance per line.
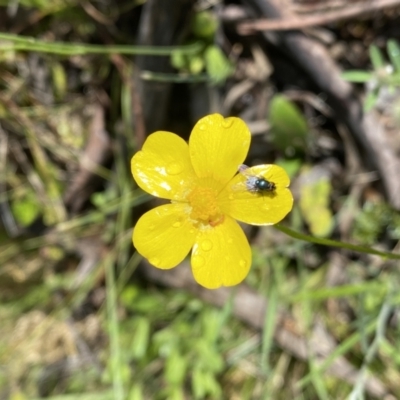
x=206 y=245
x=227 y=123
x=231 y=197
x=154 y=261
x=174 y=168
x=198 y=261
x=242 y=263
x=202 y=127
x=177 y=224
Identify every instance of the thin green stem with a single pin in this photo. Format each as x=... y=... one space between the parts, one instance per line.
x=25 y=43
x=336 y=243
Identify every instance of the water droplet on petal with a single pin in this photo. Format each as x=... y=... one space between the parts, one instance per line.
x=206 y=245
x=192 y=231
x=202 y=127
x=231 y=197
x=198 y=261
x=177 y=224
x=229 y=240
x=174 y=168
x=242 y=263
x=227 y=123
x=154 y=261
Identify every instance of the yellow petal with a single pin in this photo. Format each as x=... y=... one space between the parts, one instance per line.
x=163 y=167
x=217 y=146
x=262 y=208
x=221 y=256
x=164 y=235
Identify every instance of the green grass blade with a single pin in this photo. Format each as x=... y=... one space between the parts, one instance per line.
x=113 y=329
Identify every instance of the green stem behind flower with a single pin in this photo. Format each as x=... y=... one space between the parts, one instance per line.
x=336 y=243
x=25 y=43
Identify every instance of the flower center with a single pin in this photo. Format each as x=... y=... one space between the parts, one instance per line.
x=205 y=210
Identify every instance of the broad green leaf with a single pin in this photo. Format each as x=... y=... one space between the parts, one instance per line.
x=217 y=64
x=314 y=205
x=199 y=388
x=175 y=368
x=288 y=126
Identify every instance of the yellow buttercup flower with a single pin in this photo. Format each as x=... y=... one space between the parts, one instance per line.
x=207 y=197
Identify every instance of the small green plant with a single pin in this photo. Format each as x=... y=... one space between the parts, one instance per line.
x=210 y=58
x=385 y=76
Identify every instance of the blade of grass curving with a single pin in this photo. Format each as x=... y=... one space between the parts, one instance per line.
x=376 y=57
x=340 y=350
x=336 y=243
x=113 y=329
x=225 y=313
x=124 y=179
x=308 y=322
x=382 y=321
x=128 y=269
x=25 y=43
x=267 y=338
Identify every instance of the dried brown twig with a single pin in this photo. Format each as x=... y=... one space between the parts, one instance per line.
x=350 y=11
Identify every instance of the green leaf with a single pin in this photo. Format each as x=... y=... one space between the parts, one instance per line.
x=217 y=64
x=204 y=25
x=288 y=126
x=179 y=59
x=136 y=392
x=59 y=77
x=376 y=57
x=196 y=64
x=393 y=50
x=141 y=337
x=199 y=388
x=357 y=76
x=175 y=368
x=291 y=166
x=25 y=208
x=314 y=205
